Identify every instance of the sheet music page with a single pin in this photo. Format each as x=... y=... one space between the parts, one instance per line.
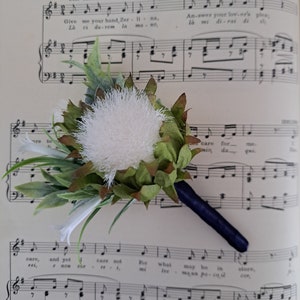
x=237 y=61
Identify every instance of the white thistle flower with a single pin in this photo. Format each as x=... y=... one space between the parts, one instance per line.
x=120 y=132
x=28 y=145
x=77 y=217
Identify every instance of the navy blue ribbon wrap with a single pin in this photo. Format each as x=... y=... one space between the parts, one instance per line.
x=211 y=216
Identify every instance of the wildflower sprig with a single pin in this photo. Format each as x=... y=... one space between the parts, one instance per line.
x=120 y=143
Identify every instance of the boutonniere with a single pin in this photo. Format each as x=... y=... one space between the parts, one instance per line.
x=120 y=143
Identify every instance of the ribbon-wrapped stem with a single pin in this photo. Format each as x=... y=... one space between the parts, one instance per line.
x=211 y=216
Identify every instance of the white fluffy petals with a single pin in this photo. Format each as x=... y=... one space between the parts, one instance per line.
x=76 y=218
x=120 y=132
x=29 y=146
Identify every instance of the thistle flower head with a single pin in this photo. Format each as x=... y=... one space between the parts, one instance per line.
x=126 y=138
x=120 y=131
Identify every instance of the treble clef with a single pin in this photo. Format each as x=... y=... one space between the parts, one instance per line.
x=16 y=129
x=15 y=248
x=15 y=286
x=48 y=49
x=48 y=11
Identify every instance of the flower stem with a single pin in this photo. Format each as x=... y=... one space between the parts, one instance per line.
x=213 y=218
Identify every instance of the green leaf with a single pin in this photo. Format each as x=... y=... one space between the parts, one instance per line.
x=165 y=151
x=184 y=157
x=171 y=192
x=127 y=205
x=46 y=160
x=50 y=201
x=171 y=130
x=123 y=191
x=81 y=182
x=78 y=195
x=195 y=151
x=127 y=177
x=94 y=59
x=92 y=79
x=147 y=192
x=183 y=175
x=107 y=200
x=55 y=141
x=119 y=80
x=129 y=82
x=48 y=177
x=71 y=116
x=64 y=178
x=163 y=179
x=178 y=109
x=151 y=87
x=142 y=175
x=74 y=63
x=36 y=189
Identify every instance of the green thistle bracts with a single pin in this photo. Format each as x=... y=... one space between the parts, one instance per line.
x=172 y=154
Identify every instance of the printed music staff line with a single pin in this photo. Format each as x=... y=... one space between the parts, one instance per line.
x=56 y=285
x=21 y=247
x=198 y=130
x=200 y=59
x=140 y=7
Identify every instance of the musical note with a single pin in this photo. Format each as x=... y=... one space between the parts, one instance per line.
x=62 y=10
x=167 y=253
x=116 y=46
x=140 y=9
x=38 y=283
x=98 y=7
x=34 y=247
x=108 y=11
x=209 y=133
x=104 y=251
x=231 y=128
x=153 y=6
x=143 y=292
x=193 y=3
x=87 y=9
x=124 y=9
x=157 y=74
x=82 y=247
x=204 y=255
x=242 y=258
x=118 y=292
x=66 y=250
x=73 y=10
x=35 y=128
x=192 y=255
x=207 y=4
x=75 y=285
x=249 y=201
x=199 y=73
x=56 y=246
x=145 y=251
